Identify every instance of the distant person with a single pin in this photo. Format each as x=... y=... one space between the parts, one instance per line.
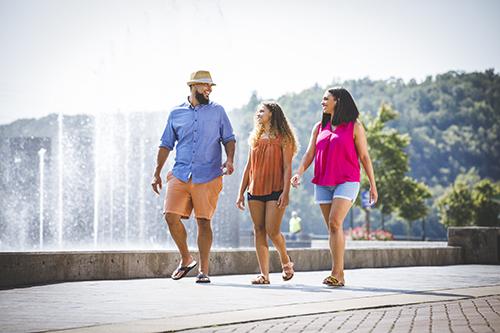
x=267 y=181
x=337 y=144
x=196 y=128
x=295 y=226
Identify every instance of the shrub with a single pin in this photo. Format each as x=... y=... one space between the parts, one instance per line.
x=359 y=233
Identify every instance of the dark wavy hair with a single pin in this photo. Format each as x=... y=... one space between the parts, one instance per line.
x=345 y=110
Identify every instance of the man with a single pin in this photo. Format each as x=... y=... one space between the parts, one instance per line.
x=295 y=225
x=196 y=128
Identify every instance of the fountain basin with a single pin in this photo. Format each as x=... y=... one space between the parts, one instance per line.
x=30 y=268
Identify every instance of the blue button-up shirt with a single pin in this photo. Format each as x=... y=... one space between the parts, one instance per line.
x=198 y=132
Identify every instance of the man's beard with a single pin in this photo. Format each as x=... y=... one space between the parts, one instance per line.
x=201 y=98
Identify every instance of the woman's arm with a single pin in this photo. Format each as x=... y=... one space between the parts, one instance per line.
x=287 y=174
x=364 y=157
x=307 y=158
x=240 y=202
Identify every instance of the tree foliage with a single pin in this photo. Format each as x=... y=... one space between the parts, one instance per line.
x=453 y=120
x=470 y=201
x=397 y=191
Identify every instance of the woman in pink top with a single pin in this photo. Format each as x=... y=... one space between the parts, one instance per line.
x=337 y=145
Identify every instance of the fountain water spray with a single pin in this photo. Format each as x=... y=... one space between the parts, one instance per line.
x=41 y=168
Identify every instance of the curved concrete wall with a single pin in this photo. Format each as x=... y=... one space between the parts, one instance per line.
x=28 y=268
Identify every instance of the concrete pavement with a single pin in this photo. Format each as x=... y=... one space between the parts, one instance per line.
x=409 y=294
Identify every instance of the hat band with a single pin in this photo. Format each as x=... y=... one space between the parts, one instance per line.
x=205 y=80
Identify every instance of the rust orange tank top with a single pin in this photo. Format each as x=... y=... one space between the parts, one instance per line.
x=266 y=167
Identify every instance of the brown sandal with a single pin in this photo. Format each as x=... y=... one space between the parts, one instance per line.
x=288 y=270
x=332 y=281
x=260 y=279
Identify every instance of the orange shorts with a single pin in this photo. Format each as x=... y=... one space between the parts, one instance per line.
x=182 y=197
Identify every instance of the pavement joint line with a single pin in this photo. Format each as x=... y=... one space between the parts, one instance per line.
x=457 y=298
x=244 y=316
x=425 y=293
x=336 y=311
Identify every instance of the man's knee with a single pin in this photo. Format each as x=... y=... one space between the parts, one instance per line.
x=203 y=224
x=172 y=219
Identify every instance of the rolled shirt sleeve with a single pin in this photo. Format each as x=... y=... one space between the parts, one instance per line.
x=168 y=137
x=226 y=130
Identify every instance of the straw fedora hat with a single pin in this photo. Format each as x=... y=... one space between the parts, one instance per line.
x=200 y=77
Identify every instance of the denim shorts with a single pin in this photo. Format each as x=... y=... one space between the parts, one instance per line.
x=326 y=194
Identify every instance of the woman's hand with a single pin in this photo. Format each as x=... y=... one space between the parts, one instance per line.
x=373 y=195
x=240 y=203
x=283 y=200
x=295 y=180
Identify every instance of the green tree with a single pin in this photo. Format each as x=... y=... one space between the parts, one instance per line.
x=412 y=204
x=470 y=201
x=397 y=192
x=487 y=208
x=453 y=120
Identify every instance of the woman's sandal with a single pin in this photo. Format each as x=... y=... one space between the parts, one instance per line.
x=332 y=281
x=260 y=279
x=288 y=270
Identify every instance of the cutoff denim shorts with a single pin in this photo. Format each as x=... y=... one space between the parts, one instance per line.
x=326 y=194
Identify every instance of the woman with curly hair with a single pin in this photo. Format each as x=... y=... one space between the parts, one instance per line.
x=267 y=181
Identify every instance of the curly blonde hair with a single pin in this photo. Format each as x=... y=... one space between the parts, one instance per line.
x=279 y=127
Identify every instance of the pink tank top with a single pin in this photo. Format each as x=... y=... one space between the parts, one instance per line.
x=336 y=160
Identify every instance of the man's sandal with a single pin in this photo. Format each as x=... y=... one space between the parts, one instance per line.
x=332 y=281
x=260 y=279
x=288 y=270
x=202 y=278
x=182 y=271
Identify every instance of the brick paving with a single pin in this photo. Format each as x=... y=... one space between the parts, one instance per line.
x=469 y=315
x=399 y=299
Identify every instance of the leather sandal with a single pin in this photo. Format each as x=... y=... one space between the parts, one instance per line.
x=332 y=281
x=182 y=271
x=202 y=278
x=288 y=270
x=260 y=279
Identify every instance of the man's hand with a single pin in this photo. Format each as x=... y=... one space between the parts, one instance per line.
x=156 y=184
x=227 y=168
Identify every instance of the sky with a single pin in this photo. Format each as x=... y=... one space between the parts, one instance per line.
x=76 y=56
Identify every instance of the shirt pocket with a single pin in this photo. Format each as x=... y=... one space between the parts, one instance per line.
x=211 y=130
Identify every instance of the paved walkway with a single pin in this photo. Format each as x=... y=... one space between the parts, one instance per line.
x=469 y=315
x=438 y=299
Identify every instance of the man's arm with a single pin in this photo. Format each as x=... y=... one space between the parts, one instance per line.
x=240 y=202
x=168 y=140
x=229 y=142
x=161 y=158
x=229 y=147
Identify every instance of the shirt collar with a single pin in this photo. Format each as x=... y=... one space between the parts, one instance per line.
x=189 y=105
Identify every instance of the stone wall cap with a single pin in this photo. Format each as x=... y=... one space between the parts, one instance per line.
x=474 y=228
